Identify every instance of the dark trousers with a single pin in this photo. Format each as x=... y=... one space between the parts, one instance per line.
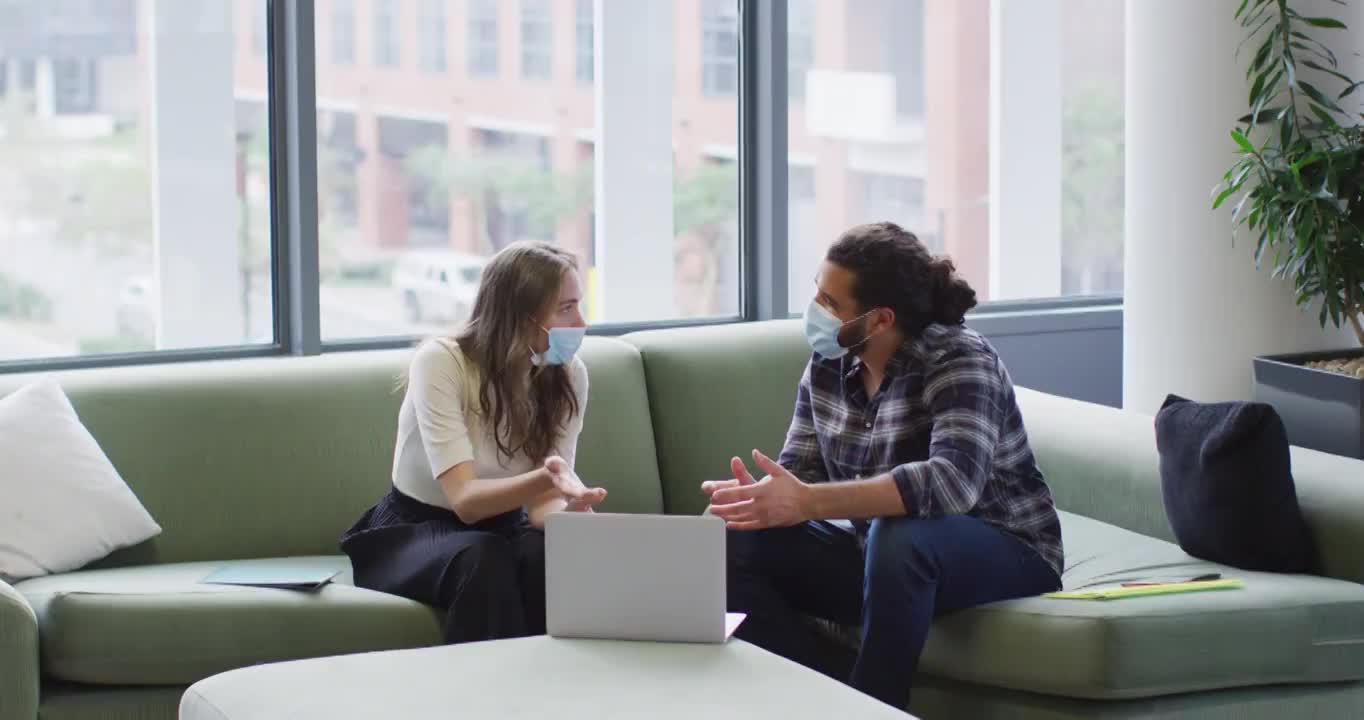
x=909 y=572
x=488 y=578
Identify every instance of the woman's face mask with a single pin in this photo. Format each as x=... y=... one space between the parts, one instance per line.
x=563 y=345
x=822 y=328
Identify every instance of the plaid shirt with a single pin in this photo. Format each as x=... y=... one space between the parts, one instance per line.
x=945 y=425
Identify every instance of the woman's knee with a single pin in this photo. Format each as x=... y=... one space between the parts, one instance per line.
x=530 y=549
x=485 y=559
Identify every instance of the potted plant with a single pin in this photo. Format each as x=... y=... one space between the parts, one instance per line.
x=1297 y=184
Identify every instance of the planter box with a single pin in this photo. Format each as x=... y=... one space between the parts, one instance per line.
x=1321 y=410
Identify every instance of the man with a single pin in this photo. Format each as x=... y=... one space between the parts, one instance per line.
x=906 y=487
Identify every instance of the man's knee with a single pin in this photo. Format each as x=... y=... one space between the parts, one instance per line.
x=900 y=548
x=752 y=560
x=751 y=549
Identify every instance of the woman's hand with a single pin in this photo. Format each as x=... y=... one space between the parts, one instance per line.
x=569 y=494
x=578 y=496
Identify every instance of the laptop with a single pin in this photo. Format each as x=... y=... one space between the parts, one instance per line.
x=636 y=577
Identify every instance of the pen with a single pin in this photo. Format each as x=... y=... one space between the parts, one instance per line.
x=1200 y=578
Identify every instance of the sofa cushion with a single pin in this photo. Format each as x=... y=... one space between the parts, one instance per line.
x=1228 y=485
x=716 y=392
x=158 y=625
x=278 y=456
x=1277 y=629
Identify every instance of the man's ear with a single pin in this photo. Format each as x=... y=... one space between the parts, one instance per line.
x=887 y=315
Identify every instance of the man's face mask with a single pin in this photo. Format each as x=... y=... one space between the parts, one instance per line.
x=822 y=328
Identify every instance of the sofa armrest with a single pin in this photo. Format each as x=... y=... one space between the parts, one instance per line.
x=1331 y=494
x=18 y=656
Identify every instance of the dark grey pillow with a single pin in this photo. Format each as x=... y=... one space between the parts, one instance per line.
x=1227 y=482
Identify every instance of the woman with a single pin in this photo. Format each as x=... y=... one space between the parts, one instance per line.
x=486 y=440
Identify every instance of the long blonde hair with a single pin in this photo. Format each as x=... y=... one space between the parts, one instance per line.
x=519 y=285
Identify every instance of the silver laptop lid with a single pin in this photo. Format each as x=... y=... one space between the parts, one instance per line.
x=635 y=577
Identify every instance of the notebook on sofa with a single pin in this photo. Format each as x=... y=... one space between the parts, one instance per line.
x=273 y=574
x=1114 y=592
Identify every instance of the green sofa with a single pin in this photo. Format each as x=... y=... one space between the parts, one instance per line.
x=275 y=457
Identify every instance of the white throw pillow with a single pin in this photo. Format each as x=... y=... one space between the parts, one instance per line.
x=62 y=503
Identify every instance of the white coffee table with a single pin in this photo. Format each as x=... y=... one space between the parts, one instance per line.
x=538 y=677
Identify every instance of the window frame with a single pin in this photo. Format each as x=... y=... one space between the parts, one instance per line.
x=763 y=243
x=716 y=64
x=387 y=18
x=482 y=25
x=343 y=21
x=584 y=54
x=537 y=59
x=432 y=46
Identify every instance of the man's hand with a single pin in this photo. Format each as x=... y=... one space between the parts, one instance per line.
x=778 y=500
x=578 y=496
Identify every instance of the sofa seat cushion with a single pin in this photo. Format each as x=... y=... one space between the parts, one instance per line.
x=1277 y=629
x=158 y=625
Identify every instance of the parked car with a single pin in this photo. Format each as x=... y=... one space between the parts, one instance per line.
x=437 y=285
x=136 y=309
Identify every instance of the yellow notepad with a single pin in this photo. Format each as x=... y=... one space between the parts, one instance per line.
x=1114 y=592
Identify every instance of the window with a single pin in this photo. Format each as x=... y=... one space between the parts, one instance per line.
x=1092 y=148
x=139 y=225
x=343 y=32
x=719 y=47
x=537 y=40
x=923 y=154
x=800 y=24
x=583 y=35
x=482 y=37
x=260 y=21
x=431 y=34
x=508 y=217
x=338 y=157
x=74 y=85
x=386 y=52
x=428 y=178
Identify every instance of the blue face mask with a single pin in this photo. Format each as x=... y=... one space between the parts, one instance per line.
x=563 y=345
x=821 y=331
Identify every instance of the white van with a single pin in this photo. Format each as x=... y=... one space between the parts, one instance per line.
x=437 y=285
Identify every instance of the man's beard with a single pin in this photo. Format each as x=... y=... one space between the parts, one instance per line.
x=856 y=340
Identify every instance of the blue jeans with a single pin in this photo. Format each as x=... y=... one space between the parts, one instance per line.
x=909 y=572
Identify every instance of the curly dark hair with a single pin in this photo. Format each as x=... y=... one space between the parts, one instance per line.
x=895 y=270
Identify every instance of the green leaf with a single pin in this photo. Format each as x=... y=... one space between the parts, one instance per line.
x=1256 y=88
x=1258 y=9
x=1269 y=40
x=1322 y=22
x=1260 y=248
x=1325 y=117
x=1350 y=90
x=1222 y=197
x=1308 y=160
x=1236 y=213
x=1314 y=52
x=1331 y=56
x=1242 y=141
x=1262 y=55
x=1327 y=70
x=1260 y=116
x=1319 y=98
